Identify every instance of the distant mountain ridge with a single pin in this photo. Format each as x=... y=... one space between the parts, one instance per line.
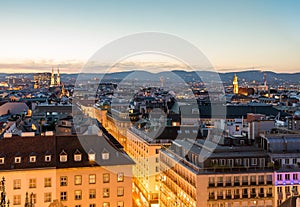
x=245 y=76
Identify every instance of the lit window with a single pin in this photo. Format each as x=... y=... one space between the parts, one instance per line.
x=63 y=157
x=92 y=179
x=78 y=194
x=77 y=156
x=1 y=160
x=63 y=196
x=106 y=178
x=120 y=191
x=17 y=184
x=105 y=192
x=47 y=182
x=63 y=181
x=92 y=156
x=105 y=155
x=32 y=159
x=92 y=193
x=17 y=200
x=17 y=159
x=47 y=197
x=120 y=177
x=106 y=204
x=48 y=158
x=32 y=183
x=77 y=179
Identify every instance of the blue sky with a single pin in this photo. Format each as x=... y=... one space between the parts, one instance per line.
x=233 y=34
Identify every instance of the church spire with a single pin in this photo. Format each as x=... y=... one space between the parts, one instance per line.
x=235 y=84
x=58 y=77
x=52 y=83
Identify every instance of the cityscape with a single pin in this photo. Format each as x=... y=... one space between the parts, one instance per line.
x=202 y=117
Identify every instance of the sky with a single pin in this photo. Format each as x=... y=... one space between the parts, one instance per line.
x=233 y=34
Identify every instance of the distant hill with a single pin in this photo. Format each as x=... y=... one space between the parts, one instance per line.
x=249 y=76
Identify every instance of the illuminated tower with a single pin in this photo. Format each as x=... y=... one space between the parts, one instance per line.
x=52 y=83
x=58 y=78
x=235 y=85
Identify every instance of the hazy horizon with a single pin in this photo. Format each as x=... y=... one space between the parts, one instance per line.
x=233 y=35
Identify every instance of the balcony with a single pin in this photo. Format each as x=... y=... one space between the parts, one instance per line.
x=269 y=195
x=211 y=197
x=211 y=185
x=220 y=184
x=245 y=183
x=236 y=183
x=237 y=196
x=228 y=197
x=269 y=182
x=261 y=182
x=228 y=184
x=245 y=196
x=253 y=182
x=252 y=195
x=220 y=197
x=261 y=195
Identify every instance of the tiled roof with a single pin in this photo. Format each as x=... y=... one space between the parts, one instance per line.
x=54 y=146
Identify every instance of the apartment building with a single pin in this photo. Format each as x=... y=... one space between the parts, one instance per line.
x=76 y=171
x=229 y=176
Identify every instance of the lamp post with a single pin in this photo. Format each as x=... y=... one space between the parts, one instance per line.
x=3 y=202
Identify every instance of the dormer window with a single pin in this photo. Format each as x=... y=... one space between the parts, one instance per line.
x=92 y=156
x=77 y=156
x=48 y=158
x=1 y=160
x=105 y=155
x=17 y=159
x=32 y=158
x=63 y=157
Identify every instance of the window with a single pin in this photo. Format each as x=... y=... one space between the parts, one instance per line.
x=33 y=197
x=63 y=181
x=120 y=177
x=32 y=183
x=295 y=176
x=287 y=176
x=17 y=184
x=77 y=156
x=63 y=156
x=294 y=161
x=106 y=204
x=93 y=205
x=253 y=161
x=120 y=204
x=105 y=155
x=287 y=161
x=47 y=197
x=77 y=205
x=157 y=151
x=32 y=159
x=279 y=177
x=78 y=194
x=105 y=192
x=77 y=179
x=47 y=182
x=17 y=200
x=222 y=162
x=238 y=162
x=48 y=158
x=92 y=193
x=63 y=196
x=17 y=159
x=92 y=179
x=1 y=160
x=92 y=156
x=120 y=191
x=106 y=178
x=237 y=128
x=157 y=160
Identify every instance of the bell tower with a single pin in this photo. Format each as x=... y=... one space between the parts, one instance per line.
x=235 y=84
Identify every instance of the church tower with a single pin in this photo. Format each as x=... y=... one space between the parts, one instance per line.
x=52 y=83
x=235 y=85
x=58 y=78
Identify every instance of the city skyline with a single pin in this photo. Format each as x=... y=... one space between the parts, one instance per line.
x=234 y=35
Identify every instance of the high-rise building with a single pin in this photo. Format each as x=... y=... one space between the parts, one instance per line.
x=235 y=84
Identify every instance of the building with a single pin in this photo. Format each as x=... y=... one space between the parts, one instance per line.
x=235 y=84
x=76 y=171
x=230 y=176
x=55 y=79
